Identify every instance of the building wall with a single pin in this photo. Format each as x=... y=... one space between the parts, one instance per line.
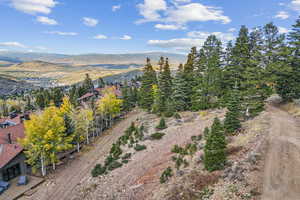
x=18 y=159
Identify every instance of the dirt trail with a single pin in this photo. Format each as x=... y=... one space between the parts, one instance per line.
x=281 y=176
x=65 y=180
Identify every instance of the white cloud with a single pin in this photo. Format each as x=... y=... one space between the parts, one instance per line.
x=170 y=27
x=195 y=38
x=224 y=37
x=295 y=5
x=88 y=21
x=282 y=30
x=177 y=43
x=116 y=7
x=150 y=10
x=12 y=44
x=46 y=20
x=61 y=33
x=158 y=10
x=196 y=12
x=100 y=37
x=34 y=6
x=282 y=15
x=126 y=37
x=232 y=30
x=182 y=1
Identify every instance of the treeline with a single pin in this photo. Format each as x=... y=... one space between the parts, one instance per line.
x=259 y=63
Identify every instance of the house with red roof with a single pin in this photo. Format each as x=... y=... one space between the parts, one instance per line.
x=12 y=158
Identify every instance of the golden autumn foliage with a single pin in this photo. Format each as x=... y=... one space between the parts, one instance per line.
x=109 y=104
x=45 y=137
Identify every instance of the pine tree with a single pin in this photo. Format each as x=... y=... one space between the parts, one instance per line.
x=215 y=148
x=180 y=86
x=232 y=118
x=288 y=83
x=148 y=80
x=189 y=76
x=88 y=85
x=208 y=89
x=165 y=87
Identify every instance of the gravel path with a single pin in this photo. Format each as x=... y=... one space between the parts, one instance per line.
x=281 y=176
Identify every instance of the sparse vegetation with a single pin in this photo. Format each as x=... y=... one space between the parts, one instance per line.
x=167 y=173
x=157 y=136
x=162 y=124
x=139 y=147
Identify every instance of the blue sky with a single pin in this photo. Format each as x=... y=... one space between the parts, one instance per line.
x=125 y=26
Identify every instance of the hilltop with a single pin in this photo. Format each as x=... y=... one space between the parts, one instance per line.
x=90 y=59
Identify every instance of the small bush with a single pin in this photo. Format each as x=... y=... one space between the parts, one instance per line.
x=196 y=138
x=166 y=175
x=109 y=159
x=177 y=116
x=162 y=124
x=125 y=161
x=98 y=170
x=114 y=165
x=157 y=136
x=139 y=147
x=126 y=156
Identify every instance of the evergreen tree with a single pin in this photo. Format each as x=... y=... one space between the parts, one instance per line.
x=165 y=87
x=215 y=148
x=232 y=118
x=180 y=86
x=288 y=83
x=208 y=89
x=88 y=85
x=101 y=83
x=189 y=76
x=148 y=80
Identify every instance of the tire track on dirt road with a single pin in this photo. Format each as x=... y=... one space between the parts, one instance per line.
x=282 y=169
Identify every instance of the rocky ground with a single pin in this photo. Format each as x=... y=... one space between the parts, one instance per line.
x=256 y=162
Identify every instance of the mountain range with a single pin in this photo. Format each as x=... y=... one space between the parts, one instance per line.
x=90 y=59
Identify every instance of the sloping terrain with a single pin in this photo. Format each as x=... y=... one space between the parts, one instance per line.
x=10 y=86
x=263 y=163
x=47 y=74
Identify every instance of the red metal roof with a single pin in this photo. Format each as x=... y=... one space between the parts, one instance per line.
x=16 y=132
x=10 y=151
x=87 y=95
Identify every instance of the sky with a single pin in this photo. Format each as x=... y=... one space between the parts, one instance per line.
x=132 y=26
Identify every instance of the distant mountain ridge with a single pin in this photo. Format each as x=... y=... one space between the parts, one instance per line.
x=91 y=59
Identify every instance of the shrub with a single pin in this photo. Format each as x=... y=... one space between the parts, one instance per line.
x=114 y=165
x=196 y=138
x=125 y=161
x=157 y=136
x=116 y=151
x=126 y=156
x=98 y=170
x=177 y=116
x=139 y=147
x=162 y=124
x=109 y=159
x=166 y=175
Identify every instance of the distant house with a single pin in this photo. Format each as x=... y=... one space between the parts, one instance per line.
x=12 y=158
x=98 y=93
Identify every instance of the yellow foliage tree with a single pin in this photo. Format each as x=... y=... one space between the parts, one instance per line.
x=45 y=137
x=109 y=106
x=82 y=119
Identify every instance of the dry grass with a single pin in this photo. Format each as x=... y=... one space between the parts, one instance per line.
x=292 y=108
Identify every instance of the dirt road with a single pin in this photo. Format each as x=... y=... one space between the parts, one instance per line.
x=282 y=169
x=65 y=180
